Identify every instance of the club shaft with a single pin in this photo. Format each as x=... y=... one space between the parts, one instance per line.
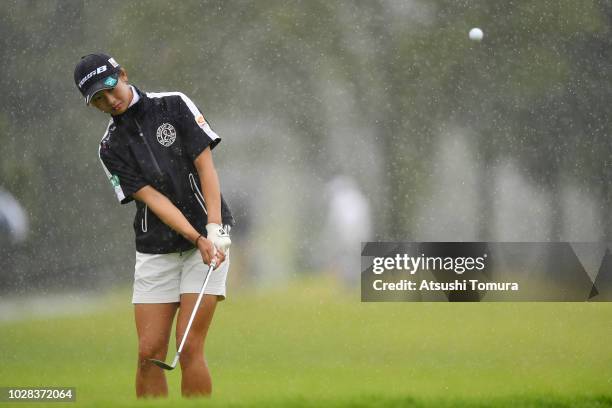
x=194 y=311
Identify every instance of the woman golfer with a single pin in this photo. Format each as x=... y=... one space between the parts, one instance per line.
x=157 y=151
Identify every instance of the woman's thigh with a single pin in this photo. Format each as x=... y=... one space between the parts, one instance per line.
x=201 y=322
x=153 y=325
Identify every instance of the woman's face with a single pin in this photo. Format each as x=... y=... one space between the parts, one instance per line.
x=116 y=100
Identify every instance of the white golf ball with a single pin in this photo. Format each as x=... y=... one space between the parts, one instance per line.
x=476 y=34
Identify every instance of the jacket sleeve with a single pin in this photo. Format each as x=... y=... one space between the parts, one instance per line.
x=196 y=132
x=124 y=178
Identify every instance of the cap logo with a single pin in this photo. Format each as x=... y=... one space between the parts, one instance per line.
x=98 y=70
x=166 y=135
x=113 y=62
x=110 y=81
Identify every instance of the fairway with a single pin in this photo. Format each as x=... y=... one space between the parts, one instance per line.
x=314 y=344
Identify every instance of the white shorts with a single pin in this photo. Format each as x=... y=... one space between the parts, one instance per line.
x=161 y=278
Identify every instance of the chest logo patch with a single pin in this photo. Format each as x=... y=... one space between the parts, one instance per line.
x=166 y=134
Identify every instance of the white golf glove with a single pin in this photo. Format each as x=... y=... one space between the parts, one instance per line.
x=219 y=236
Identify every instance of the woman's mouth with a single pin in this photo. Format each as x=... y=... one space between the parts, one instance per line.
x=116 y=106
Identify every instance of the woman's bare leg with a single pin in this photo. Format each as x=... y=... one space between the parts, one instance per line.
x=153 y=325
x=196 y=380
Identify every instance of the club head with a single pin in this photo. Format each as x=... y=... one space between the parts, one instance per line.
x=161 y=364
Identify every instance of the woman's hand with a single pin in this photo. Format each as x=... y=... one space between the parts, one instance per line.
x=219 y=236
x=209 y=252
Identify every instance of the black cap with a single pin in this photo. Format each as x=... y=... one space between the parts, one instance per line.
x=95 y=72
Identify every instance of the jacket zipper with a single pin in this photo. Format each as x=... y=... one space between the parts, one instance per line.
x=148 y=148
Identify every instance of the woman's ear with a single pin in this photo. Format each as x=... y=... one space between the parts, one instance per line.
x=123 y=74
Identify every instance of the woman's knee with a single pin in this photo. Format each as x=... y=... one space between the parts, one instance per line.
x=148 y=348
x=193 y=348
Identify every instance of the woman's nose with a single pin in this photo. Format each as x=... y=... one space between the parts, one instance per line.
x=110 y=99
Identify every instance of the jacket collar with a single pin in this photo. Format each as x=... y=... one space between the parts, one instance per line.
x=135 y=96
x=136 y=110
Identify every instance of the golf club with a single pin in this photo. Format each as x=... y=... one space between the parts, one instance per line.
x=162 y=364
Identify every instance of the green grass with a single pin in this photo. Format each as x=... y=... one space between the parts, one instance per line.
x=314 y=344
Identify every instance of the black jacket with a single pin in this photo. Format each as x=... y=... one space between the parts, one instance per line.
x=155 y=143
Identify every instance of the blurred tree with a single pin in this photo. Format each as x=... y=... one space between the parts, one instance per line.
x=536 y=89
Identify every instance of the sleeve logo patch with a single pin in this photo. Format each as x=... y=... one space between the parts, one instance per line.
x=166 y=134
x=114 y=180
x=200 y=119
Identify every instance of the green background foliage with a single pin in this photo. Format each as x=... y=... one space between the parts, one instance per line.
x=313 y=344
